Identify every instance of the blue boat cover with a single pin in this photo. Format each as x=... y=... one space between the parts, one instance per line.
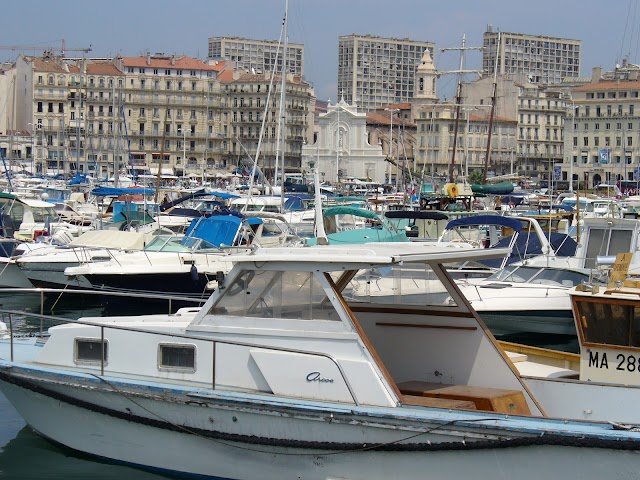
x=218 y=229
x=413 y=214
x=527 y=246
x=485 y=220
x=116 y=192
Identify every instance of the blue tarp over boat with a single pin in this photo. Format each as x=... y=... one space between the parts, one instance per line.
x=116 y=192
x=218 y=229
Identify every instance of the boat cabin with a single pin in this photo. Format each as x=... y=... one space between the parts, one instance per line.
x=608 y=325
x=285 y=322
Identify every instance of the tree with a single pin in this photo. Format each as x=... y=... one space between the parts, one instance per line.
x=475 y=177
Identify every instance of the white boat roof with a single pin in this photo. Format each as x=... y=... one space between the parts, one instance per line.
x=112 y=239
x=371 y=253
x=36 y=203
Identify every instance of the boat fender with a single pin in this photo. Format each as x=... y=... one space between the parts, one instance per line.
x=451 y=189
x=194 y=273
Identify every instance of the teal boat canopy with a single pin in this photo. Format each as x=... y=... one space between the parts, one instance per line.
x=346 y=210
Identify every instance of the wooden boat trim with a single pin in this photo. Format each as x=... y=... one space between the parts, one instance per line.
x=416 y=325
x=409 y=311
x=367 y=343
x=526 y=349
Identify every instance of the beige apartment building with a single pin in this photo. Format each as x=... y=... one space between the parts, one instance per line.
x=603 y=143
x=173 y=109
x=375 y=71
x=435 y=141
x=252 y=104
x=140 y=114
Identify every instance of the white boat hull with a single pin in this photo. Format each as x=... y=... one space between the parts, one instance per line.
x=11 y=276
x=203 y=438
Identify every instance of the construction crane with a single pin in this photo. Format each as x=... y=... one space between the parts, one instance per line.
x=46 y=49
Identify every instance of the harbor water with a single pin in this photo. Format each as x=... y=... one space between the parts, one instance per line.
x=26 y=455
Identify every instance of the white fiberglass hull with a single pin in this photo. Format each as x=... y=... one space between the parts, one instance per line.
x=11 y=276
x=513 y=308
x=224 y=438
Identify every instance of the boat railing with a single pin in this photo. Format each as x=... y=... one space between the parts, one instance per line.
x=44 y=292
x=8 y=315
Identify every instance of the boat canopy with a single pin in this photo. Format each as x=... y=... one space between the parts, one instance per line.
x=413 y=214
x=346 y=210
x=502 y=188
x=116 y=192
x=218 y=229
x=486 y=220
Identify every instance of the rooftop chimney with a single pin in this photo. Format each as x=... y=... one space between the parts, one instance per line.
x=596 y=74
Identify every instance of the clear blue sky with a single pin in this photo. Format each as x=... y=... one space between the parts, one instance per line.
x=609 y=30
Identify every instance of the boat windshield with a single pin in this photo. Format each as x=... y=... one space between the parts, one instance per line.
x=169 y=243
x=275 y=294
x=411 y=284
x=543 y=276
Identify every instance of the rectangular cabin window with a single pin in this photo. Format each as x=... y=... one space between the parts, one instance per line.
x=609 y=323
x=266 y=294
x=89 y=350
x=177 y=357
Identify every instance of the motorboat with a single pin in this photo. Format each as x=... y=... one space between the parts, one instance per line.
x=188 y=264
x=601 y=381
x=44 y=267
x=279 y=375
x=524 y=299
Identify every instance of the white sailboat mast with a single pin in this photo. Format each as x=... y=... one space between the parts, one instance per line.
x=280 y=139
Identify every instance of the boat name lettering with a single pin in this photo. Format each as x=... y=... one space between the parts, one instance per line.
x=624 y=363
x=315 y=377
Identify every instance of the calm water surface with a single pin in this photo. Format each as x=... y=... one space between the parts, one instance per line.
x=26 y=455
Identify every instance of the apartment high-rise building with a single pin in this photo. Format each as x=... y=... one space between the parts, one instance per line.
x=544 y=59
x=375 y=71
x=257 y=56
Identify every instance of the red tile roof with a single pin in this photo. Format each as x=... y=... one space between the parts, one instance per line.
x=165 y=62
x=608 y=85
x=401 y=106
x=42 y=64
x=245 y=77
x=384 y=118
x=103 y=68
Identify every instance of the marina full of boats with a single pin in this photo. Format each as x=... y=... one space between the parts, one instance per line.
x=329 y=336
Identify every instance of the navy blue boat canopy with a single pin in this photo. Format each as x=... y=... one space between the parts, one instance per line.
x=486 y=220
x=413 y=214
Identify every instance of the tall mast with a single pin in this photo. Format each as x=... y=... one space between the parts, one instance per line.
x=493 y=108
x=460 y=72
x=281 y=113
